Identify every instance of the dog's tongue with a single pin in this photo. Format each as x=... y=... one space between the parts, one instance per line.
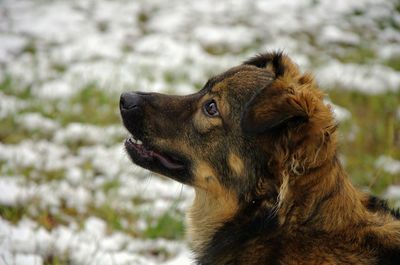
x=166 y=162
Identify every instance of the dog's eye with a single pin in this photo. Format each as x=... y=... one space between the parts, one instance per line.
x=210 y=108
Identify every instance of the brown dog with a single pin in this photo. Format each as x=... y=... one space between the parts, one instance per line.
x=258 y=145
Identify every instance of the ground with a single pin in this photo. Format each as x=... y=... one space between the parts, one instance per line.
x=68 y=192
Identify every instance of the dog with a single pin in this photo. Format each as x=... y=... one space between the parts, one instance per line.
x=259 y=146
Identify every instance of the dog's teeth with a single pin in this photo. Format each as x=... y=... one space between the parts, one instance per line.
x=139 y=142
x=134 y=140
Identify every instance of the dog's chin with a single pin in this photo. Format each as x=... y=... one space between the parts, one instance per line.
x=168 y=164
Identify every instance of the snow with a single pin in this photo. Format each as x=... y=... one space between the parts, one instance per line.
x=56 y=89
x=393 y=192
x=9 y=191
x=373 y=79
x=340 y=113
x=28 y=259
x=10 y=104
x=332 y=34
x=90 y=134
x=233 y=37
x=54 y=49
x=91 y=244
x=35 y=121
x=388 y=164
x=9 y=46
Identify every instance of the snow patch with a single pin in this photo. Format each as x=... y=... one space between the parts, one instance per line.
x=333 y=34
x=369 y=79
x=10 y=191
x=88 y=134
x=388 y=164
x=56 y=89
x=90 y=244
x=10 y=45
x=340 y=113
x=35 y=121
x=393 y=192
x=9 y=105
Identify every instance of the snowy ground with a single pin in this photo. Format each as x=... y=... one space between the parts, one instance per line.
x=68 y=193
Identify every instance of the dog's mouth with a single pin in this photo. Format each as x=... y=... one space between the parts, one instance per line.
x=166 y=163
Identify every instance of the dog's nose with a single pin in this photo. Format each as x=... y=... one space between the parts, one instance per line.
x=129 y=101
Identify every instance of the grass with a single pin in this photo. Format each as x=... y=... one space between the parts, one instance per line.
x=360 y=54
x=168 y=225
x=377 y=133
x=57 y=260
x=45 y=218
x=10 y=86
x=8 y=134
x=59 y=67
x=111 y=216
x=91 y=105
x=393 y=62
x=12 y=213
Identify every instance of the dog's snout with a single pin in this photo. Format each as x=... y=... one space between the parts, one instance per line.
x=129 y=101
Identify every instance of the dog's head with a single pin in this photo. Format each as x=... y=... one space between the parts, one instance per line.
x=247 y=132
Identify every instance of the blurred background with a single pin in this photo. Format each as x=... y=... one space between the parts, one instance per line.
x=68 y=192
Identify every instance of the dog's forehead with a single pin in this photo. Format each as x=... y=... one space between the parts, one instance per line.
x=239 y=80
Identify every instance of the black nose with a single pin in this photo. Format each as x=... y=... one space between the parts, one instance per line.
x=129 y=101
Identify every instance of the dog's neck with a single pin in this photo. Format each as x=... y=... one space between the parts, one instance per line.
x=217 y=225
x=326 y=189
x=207 y=214
x=215 y=233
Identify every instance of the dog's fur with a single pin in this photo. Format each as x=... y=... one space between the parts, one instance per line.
x=269 y=186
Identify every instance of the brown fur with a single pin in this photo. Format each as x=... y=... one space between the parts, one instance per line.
x=269 y=186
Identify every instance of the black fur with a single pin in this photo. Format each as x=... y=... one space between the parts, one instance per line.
x=386 y=256
x=376 y=204
x=248 y=224
x=262 y=60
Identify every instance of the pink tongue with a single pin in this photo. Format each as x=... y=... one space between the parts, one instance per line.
x=166 y=162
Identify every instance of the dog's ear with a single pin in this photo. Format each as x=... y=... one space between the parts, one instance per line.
x=273 y=62
x=290 y=100
x=273 y=108
x=277 y=63
x=283 y=103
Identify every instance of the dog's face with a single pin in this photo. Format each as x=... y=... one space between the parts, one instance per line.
x=233 y=135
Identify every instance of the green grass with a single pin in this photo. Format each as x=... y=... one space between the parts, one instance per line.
x=377 y=133
x=12 y=213
x=30 y=48
x=57 y=260
x=110 y=216
x=59 y=67
x=44 y=217
x=32 y=174
x=111 y=185
x=12 y=131
x=393 y=62
x=10 y=86
x=359 y=54
x=8 y=134
x=167 y=226
x=91 y=105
